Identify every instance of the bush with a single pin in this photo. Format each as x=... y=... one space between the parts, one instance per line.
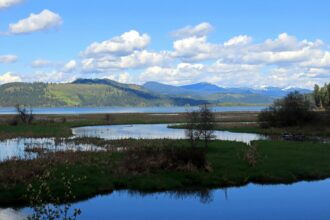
x=148 y=159
x=293 y=110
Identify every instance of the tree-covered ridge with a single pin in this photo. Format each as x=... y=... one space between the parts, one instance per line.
x=89 y=94
x=105 y=92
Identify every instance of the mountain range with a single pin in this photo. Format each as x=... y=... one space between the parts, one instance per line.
x=106 y=92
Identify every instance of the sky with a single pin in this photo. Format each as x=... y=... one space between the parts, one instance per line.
x=233 y=43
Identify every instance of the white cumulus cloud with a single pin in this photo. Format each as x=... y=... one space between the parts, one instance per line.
x=70 y=66
x=199 y=30
x=238 y=41
x=125 y=44
x=9 y=77
x=36 y=22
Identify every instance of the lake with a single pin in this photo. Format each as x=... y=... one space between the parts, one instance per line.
x=102 y=110
x=302 y=200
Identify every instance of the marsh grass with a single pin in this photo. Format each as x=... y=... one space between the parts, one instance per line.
x=281 y=162
x=137 y=160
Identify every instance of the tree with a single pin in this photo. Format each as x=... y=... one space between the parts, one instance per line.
x=24 y=115
x=317 y=96
x=206 y=124
x=200 y=125
x=292 y=110
x=192 y=132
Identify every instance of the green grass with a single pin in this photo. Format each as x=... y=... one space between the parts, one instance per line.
x=280 y=162
x=49 y=128
x=41 y=129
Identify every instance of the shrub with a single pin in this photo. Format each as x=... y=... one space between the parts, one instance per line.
x=293 y=110
x=251 y=155
x=148 y=159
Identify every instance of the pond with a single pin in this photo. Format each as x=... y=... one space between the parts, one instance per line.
x=155 y=131
x=102 y=110
x=303 y=200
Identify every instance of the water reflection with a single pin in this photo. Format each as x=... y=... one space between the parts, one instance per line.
x=28 y=148
x=204 y=196
x=155 y=131
x=303 y=200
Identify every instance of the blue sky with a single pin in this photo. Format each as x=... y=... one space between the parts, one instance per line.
x=229 y=43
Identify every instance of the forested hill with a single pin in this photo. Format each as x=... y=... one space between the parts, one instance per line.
x=105 y=92
x=85 y=94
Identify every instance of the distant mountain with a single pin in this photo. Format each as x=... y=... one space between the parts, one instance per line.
x=164 y=89
x=106 y=92
x=206 y=89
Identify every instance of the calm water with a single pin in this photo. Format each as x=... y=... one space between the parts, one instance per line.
x=95 y=110
x=303 y=200
x=155 y=131
x=15 y=148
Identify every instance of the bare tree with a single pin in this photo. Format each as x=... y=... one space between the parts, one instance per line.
x=192 y=132
x=200 y=125
x=26 y=116
x=206 y=124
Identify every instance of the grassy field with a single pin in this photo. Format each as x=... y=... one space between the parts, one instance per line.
x=279 y=162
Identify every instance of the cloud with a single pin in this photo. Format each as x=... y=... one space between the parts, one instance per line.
x=182 y=73
x=45 y=20
x=122 y=45
x=194 y=49
x=41 y=63
x=199 y=30
x=240 y=40
x=9 y=3
x=127 y=51
x=8 y=58
x=70 y=66
x=138 y=59
x=9 y=77
x=54 y=76
x=239 y=61
x=121 y=77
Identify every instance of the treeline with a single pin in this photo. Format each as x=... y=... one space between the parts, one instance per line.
x=297 y=109
x=321 y=96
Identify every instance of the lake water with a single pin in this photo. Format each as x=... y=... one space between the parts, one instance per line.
x=303 y=200
x=98 y=110
x=155 y=131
